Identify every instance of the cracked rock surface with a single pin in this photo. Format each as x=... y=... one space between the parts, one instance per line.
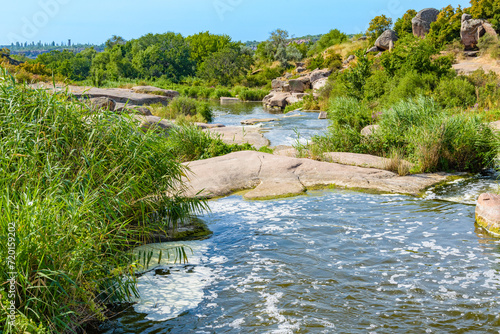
x=268 y=176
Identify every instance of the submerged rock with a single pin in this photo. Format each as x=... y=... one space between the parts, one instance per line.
x=488 y=213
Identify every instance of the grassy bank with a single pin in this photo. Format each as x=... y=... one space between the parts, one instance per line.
x=79 y=194
x=417 y=130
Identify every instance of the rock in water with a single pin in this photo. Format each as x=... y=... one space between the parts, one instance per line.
x=488 y=213
x=323 y=115
x=384 y=41
x=421 y=23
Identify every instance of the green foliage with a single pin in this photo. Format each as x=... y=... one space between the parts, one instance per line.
x=348 y=113
x=189 y=143
x=455 y=92
x=486 y=9
x=226 y=66
x=204 y=44
x=68 y=64
x=355 y=77
x=330 y=60
x=247 y=94
x=184 y=106
x=489 y=45
x=158 y=55
x=403 y=25
x=420 y=131
x=334 y=37
x=488 y=88
x=446 y=29
x=263 y=77
x=80 y=191
x=115 y=40
x=217 y=93
x=378 y=25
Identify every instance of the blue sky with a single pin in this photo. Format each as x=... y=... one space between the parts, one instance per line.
x=95 y=21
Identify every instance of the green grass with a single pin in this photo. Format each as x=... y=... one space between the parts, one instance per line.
x=81 y=191
x=419 y=130
x=184 y=108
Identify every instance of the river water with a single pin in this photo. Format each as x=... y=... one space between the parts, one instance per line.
x=331 y=261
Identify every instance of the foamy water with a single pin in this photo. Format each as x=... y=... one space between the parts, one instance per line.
x=329 y=262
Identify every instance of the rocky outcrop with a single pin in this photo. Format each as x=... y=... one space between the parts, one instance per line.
x=385 y=40
x=119 y=95
x=285 y=92
x=361 y=160
x=473 y=29
x=349 y=59
x=277 y=176
x=158 y=124
x=102 y=103
x=241 y=135
x=373 y=49
x=155 y=91
x=421 y=23
x=254 y=121
x=488 y=213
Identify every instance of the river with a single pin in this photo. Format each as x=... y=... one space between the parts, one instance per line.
x=330 y=261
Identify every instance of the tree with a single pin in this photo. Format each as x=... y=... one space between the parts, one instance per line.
x=378 y=25
x=115 y=40
x=202 y=45
x=447 y=26
x=225 y=66
x=486 y=9
x=403 y=25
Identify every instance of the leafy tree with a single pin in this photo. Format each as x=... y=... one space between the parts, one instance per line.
x=159 y=55
x=403 y=25
x=115 y=40
x=378 y=25
x=447 y=26
x=486 y=9
x=225 y=66
x=355 y=78
x=202 y=45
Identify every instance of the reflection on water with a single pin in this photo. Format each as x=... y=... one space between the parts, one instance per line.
x=282 y=132
x=332 y=262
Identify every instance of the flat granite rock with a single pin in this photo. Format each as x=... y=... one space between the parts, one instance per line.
x=241 y=135
x=277 y=176
x=361 y=160
x=119 y=95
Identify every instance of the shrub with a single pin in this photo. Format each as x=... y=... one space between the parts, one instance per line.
x=247 y=94
x=455 y=92
x=189 y=143
x=489 y=45
x=330 y=60
x=217 y=93
x=348 y=113
x=184 y=107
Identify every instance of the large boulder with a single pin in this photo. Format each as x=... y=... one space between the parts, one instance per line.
x=319 y=74
x=421 y=23
x=276 y=100
x=277 y=84
x=102 y=103
x=297 y=86
x=320 y=83
x=488 y=213
x=473 y=29
x=157 y=124
x=384 y=41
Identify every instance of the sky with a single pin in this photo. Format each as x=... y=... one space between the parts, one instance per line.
x=94 y=21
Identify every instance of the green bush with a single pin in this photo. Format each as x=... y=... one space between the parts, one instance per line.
x=184 y=107
x=252 y=94
x=80 y=190
x=217 y=93
x=419 y=130
x=456 y=92
x=330 y=60
x=189 y=143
